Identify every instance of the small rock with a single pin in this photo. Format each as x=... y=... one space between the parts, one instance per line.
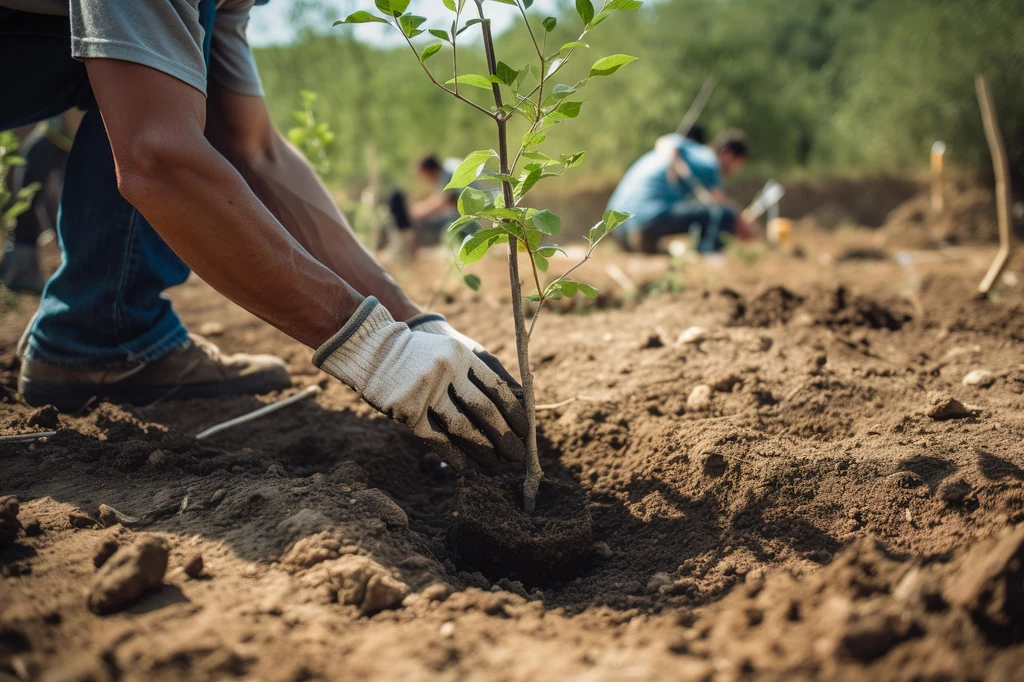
x=954 y=492
x=602 y=550
x=46 y=417
x=9 y=523
x=79 y=520
x=108 y=517
x=699 y=398
x=194 y=565
x=447 y=629
x=942 y=407
x=982 y=378
x=128 y=575
x=693 y=335
x=33 y=528
x=106 y=550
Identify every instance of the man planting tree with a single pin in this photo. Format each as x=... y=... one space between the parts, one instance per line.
x=176 y=166
x=677 y=186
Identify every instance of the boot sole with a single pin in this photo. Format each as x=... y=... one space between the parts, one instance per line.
x=72 y=397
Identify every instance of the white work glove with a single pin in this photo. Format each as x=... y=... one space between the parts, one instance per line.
x=433 y=384
x=435 y=323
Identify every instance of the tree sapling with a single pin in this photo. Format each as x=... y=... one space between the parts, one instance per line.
x=535 y=96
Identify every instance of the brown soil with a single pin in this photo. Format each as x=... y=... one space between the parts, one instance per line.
x=807 y=520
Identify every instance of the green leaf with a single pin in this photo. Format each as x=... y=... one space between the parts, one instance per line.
x=506 y=74
x=549 y=250
x=488 y=174
x=532 y=297
x=475 y=246
x=598 y=19
x=476 y=80
x=585 y=9
x=547 y=222
x=538 y=156
x=362 y=18
x=450 y=4
x=568 y=287
x=527 y=182
x=549 y=24
x=507 y=2
x=471 y=22
x=527 y=4
x=473 y=201
x=561 y=91
x=461 y=221
x=613 y=219
x=470 y=168
x=568 y=109
x=440 y=33
x=500 y=213
x=572 y=160
x=533 y=139
x=392 y=8
x=472 y=281
x=572 y=46
x=587 y=290
x=429 y=51
x=409 y=23
x=541 y=261
x=606 y=66
x=624 y=5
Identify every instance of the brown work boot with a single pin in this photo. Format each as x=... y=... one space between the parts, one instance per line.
x=195 y=369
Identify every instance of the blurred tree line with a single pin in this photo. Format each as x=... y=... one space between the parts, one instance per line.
x=821 y=86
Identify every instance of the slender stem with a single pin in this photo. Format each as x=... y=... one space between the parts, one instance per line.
x=533 y=470
x=455 y=52
x=433 y=80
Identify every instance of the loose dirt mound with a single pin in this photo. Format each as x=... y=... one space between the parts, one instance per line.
x=968 y=216
x=809 y=517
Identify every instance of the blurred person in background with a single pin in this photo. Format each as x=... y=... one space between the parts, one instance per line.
x=676 y=188
x=45 y=151
x=424 y=221
x=177 y=166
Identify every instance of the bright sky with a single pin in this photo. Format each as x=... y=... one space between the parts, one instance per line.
x=271 y=23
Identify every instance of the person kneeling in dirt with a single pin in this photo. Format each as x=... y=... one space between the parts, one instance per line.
x=426 y=220
x=176 y=165
x=676 y=188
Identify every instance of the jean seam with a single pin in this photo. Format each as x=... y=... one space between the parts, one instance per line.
x=127 y=265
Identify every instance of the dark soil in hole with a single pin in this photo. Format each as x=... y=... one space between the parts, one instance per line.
x=489 y=531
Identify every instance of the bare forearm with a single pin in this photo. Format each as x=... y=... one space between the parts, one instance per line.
x=289 y=187
x=203 y=209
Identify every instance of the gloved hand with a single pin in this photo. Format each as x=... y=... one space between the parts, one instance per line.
x=435 y=323
x=432 y=383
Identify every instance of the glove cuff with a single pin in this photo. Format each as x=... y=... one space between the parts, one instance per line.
x=423 y=318
x=351 y=354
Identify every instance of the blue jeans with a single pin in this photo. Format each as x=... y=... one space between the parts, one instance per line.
x=708 y=222
x=104 y=307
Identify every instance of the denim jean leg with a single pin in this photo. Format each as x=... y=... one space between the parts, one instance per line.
x=104 y=307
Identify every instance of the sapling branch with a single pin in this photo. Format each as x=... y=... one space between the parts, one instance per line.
x=524 y=228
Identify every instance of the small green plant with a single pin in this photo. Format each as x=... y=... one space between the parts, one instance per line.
x=312 y=138
x=12 y=204
x=534 y=95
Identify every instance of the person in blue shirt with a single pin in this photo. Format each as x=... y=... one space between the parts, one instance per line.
x=677 y=187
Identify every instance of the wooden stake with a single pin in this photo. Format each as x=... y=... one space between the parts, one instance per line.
x=1002 y=172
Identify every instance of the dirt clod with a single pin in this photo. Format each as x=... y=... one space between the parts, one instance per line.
x=46 y=417
x=942 y=407
x=492 y=534
x=10 y=526
x=128 y=575
x=364 y=583
x=193 y=565
x=106 y=550
x=991 y=586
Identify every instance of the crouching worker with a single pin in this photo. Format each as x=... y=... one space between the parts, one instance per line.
x=176 y=166
x=676 y=188
x=425 y=221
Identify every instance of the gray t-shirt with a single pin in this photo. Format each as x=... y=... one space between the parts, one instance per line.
x=162 y=34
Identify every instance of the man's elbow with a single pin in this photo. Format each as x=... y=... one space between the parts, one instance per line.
x=152 y=161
